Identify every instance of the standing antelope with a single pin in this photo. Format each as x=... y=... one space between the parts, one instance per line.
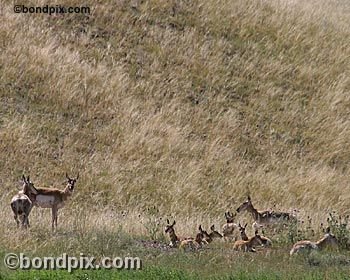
x=229 y=227
x=49 y=197
x=328 y=241
x=248 y=245
x=21 y=206
x=263 y=218
x=174 y=239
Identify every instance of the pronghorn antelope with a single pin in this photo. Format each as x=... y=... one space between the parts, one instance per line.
x=174 y=239
x=248 y=245
x=21 y=206
x=214 y=234
x=266 y=242
x=263 y=218
x=328 y=241
x=206 y=236
x=229 y=227
x=242 y=231
x=196 y=243
x=50 y=198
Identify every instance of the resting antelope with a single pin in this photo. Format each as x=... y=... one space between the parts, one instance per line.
x=214 y=234
x=229 y=227
x=248 y=245
x=263 y=218
x=193 y=244
x=207 y=238
x=50 y=198
x=21 y=206
x=328 y=241
x=266 y=242
x=174 y=239
x=242 y=231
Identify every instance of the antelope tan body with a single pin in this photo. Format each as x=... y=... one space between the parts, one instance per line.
x=248 y=245
x=328 y=241
x=49 y=197
x=229 y=227
x=264 y=218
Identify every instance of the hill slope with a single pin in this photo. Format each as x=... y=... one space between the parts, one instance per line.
x=186 y=105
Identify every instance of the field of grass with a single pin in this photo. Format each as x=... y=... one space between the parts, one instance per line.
x=186 y=106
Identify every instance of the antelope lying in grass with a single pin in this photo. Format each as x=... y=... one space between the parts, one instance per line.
x=174 y=239
x=22 y=206
x=214 y=234
x=264 y=218
x=50 y=198
x=266 y=242
x=207 y=238
x=328 y=241
x=248 y=245
x=197 y=243
x=242 y=231
x=229 y=227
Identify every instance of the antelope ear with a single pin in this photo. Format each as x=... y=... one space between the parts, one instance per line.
x=256 y=232
x=200 y=228
x=328 y=230
x=167 y=221
x=34 y=190
x=245 y=225
x=174 y=223
x=249 y=199
x=78 y=178
x=212 y=227
x=28 y=179
x=24 y=179
x=67 y=176
x=239 y=224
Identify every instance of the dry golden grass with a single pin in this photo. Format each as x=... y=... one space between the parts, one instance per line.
x=186 y=105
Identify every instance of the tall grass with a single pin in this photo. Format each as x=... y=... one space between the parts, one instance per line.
x=187 y=106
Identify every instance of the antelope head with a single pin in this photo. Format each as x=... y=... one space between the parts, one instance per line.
x=245 y=205
x=242 y=231
x=229 y=217
x=71 y=182
x=242 y=228
x=28 y=188
x=169 y=228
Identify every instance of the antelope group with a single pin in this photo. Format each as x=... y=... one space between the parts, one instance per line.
x=236 y=234
x=23 y=202
x=55 y=199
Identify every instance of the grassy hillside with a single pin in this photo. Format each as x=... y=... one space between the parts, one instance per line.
x=183 y=105
x=171 y=102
